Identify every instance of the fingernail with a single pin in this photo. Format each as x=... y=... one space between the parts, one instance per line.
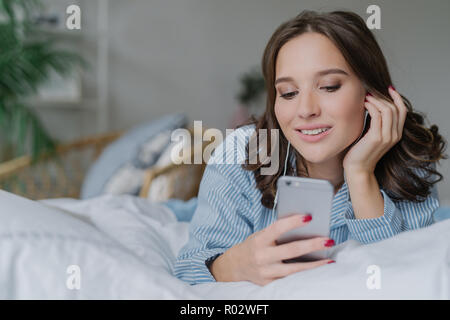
x=331 y=261
x=392 y=87
x=369 y=94
x=307 y=218
x=329 y=243
x=365 y=100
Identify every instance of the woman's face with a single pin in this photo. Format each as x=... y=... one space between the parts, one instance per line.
x=334 y=99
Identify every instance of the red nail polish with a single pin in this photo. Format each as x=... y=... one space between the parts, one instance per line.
x=369 y=94
x=365 y=100
x=392 y=87
x=331 y=261
x=329 y=243
x=307 y=218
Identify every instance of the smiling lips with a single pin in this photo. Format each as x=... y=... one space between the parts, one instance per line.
x=313 y=126
x=315 y=134
x=314 y=131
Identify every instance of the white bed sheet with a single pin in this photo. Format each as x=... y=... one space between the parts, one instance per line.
x=125 y=247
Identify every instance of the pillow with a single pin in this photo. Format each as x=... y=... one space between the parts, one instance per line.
x=127 y=180
x=151 y=150
x=130 y=177
x=117 y=157
x=163 y=186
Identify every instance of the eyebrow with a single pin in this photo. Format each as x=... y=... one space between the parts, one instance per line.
x=318 y=74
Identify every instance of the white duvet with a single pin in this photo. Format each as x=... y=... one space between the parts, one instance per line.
x=123 y=247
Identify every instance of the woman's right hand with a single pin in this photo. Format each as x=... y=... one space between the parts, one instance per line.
x=260 y=260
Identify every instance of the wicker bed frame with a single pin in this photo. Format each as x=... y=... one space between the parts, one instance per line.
x=61 y=175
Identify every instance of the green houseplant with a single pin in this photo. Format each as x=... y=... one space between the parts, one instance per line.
x=27 y=57
x=252 y=88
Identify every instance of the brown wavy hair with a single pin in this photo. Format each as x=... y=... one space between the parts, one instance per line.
x=419 y=148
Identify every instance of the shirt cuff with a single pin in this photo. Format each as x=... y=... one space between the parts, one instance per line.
x=194 y=268
x=375 y=229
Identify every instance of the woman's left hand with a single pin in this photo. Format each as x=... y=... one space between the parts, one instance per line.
x=386 y=127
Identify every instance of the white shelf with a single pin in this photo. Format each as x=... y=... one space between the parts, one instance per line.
x=59 y=32
x=98 y=104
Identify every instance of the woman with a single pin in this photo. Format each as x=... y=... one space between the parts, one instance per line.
x=322 y=71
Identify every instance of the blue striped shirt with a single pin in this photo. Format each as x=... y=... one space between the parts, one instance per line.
x=229 y=210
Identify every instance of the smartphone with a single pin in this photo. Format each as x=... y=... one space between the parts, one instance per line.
x=299 y=195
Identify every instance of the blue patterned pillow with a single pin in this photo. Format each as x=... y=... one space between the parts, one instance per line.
x=126 y=151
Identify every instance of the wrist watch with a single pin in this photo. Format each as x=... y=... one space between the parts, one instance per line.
x=210 y=260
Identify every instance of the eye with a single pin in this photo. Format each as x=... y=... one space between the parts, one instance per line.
x=333 y=88
x=289 y=95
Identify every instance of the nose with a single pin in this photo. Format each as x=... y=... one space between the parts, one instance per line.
x=307 y=105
